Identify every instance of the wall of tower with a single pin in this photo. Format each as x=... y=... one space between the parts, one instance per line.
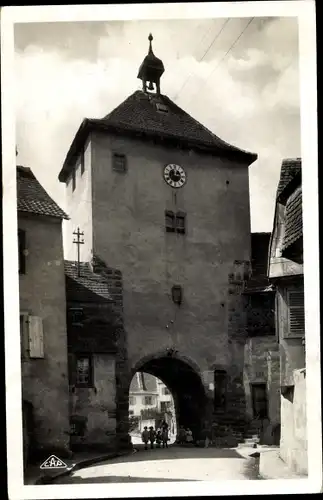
x=79 y=207
x=129 y=234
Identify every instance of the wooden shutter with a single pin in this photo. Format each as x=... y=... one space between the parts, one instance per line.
x=296 y=313
x=36 y=338
x=180 y=222
x=21 y=250
x=169 y=221
x=24 y=341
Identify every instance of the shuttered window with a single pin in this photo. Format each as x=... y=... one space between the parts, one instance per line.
x=296 y=313
x=175 y=222
x=36 y=337
x=84 y=371
x=119 y=163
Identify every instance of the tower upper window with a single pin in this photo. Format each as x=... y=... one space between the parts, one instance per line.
x=119 y=162
x=175 y=222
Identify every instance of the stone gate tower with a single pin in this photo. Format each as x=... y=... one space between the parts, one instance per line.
x=165 y=201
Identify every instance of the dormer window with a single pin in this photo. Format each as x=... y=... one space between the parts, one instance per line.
x=119 y=163
x=161 y=108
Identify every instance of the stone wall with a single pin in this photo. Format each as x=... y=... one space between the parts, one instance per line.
x=293 y=443
x=42 y=294
x=261 y=355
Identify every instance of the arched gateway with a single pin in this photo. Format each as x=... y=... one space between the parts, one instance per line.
x=185 y=384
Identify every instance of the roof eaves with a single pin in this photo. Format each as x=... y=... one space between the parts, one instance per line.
x=186 y=143
x=74 y=149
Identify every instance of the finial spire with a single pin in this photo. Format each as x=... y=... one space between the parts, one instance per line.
x=150 y=38
x=151 y=70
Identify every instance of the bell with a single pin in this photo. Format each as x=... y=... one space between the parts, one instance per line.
x=150 y=87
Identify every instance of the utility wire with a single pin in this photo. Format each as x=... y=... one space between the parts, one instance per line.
x=205 y=53
x=227 y=52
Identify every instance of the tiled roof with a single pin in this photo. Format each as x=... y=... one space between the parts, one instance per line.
x=289 y=169
x=139 y=115
x=32 y=197
x=293 y=218
x=259 y=255
x=87 y=287
x=143 y=382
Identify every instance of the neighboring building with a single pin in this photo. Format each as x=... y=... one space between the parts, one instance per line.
x=143 y=396
x=95 y=342
x=262 y=375
x=149 y=393
x=42 y=320
x=166 y=406
x=286 y=272
x=165 y=201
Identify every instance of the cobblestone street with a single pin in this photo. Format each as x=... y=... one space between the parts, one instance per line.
x=172 y=464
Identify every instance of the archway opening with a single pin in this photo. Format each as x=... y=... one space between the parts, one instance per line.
x=150 y=403
x=185 y=387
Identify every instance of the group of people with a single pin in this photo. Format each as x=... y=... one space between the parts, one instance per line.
x=160 y=437
x=184 y=435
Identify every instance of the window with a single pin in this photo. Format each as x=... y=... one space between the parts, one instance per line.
x=220 y=389
x=22 y=251
x=166 y=391
x=84 y=375
x=165 y=406
x=73 y=179
x=119 y=162
x=76 y=315
x=78 y=425
x=131 y=412
x=161 y=107
x=132 y=400
x=147 y=400
x=175 y=222
x=296 y=313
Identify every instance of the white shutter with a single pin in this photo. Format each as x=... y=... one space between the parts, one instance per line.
x=296 y=313
x=36 y=337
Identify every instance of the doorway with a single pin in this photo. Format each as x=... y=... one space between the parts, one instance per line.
x=259 y=401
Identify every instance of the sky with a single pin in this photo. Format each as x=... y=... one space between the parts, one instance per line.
x=238 y=76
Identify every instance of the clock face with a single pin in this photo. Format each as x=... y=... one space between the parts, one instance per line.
x=174 y=175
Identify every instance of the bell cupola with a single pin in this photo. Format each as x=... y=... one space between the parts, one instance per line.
x=151 y=70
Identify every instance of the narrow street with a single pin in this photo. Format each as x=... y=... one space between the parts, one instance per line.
x=172 y=464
